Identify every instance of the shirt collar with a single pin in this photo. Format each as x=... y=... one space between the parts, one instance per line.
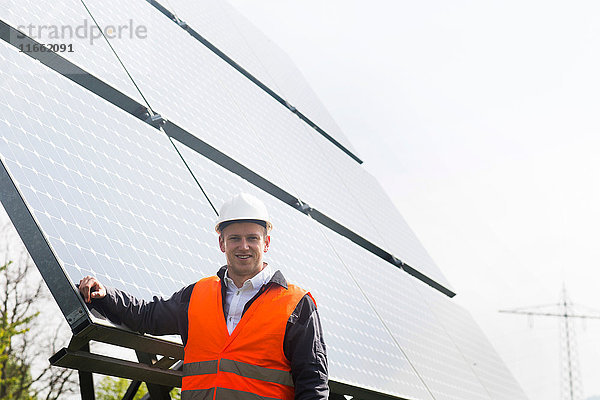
x=256 y=282
x=277 y=277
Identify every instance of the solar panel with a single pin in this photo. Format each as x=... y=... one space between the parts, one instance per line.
x=224 y=27
x=110 y=193
x=361 y=351
x=83 y=172
x=66 y=23
x=413 y=326
x=476 y=348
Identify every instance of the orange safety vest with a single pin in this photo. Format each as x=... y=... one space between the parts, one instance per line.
x=248 y=364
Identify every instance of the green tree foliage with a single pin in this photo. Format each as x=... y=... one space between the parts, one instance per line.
x=15 y=374
x=26 y=341
x=110 y=388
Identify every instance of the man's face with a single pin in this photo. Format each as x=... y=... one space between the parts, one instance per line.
x=244 y=244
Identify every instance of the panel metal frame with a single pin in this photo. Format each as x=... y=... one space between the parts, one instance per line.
x=69 y=302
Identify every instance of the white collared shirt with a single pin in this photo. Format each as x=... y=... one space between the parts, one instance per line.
x=236 y=298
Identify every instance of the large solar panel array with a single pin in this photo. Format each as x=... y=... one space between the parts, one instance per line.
x=117 y=198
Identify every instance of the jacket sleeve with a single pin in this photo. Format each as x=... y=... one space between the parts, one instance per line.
x=156 y=317
x=304 y=347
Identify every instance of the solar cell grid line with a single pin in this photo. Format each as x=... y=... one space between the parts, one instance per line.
x=109 y=192
x=475 y=347
x=415 y=328
x=66 y=25
x=360 y=350
x=226 y=29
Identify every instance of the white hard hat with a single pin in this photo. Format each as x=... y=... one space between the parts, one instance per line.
x=244 y=207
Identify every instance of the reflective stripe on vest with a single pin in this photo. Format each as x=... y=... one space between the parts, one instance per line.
x=249 y=363
x=200 y=368
x=239 y=368
x=221 y=394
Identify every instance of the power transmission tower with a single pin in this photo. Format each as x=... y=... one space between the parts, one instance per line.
x=571 y=385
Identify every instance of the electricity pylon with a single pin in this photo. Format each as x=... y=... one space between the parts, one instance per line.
x=571 y=385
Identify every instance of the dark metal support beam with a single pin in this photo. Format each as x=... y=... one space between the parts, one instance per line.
x=181 y=135
x=86 y=381
x=89 y=362
x=156 y=392
x=131 y=340
x=132 y=390
x=86 y=385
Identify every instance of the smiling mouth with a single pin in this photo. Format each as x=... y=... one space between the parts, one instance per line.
x=243 y=257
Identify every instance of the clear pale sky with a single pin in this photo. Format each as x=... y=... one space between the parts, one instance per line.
x=481 y=119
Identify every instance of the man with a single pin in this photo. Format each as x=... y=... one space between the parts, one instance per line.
x=247 y=333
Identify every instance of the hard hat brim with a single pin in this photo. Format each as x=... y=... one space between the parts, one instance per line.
x=268 y=225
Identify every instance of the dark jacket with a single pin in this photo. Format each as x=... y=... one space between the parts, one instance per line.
x=303 y=343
